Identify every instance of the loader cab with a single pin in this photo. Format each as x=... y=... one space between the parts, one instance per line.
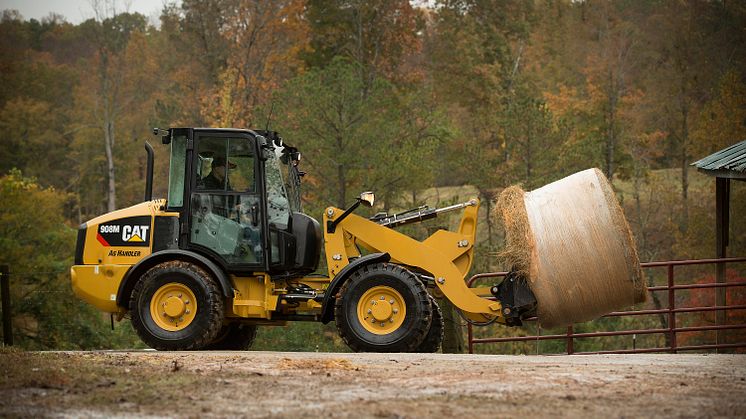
x=237 y=195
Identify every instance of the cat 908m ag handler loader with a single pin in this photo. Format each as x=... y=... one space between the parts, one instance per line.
x=230 y=249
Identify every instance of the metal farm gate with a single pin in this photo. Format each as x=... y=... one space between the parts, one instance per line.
x=670 y=327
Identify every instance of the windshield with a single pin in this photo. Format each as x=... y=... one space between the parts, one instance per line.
x=283 y=195
x=287 y=173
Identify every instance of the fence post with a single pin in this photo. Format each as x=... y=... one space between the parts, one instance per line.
x=570 y=344
x=5 y=290
x=671 y=308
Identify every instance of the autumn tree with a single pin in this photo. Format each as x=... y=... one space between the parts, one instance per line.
x=32 y=128
x=382 y=37
x=264 y=42
x=198 y=28
x=722 y=121
x=475 y=50
x=14 y=46
x=104 y=93
x=189 y=71
x=609 y=77
x=694 y=43
x=34 y=95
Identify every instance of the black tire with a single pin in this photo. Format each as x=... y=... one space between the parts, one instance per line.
x=434 y=337
x=383 y=276
x=233 y=337
x=207 y=318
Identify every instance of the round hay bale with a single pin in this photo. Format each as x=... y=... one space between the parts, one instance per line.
x=572 y=242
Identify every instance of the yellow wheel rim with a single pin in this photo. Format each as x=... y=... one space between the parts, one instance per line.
x=381 y=310
x=173 y=307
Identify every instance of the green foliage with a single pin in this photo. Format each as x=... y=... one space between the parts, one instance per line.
x=38 y=245
x=32 y=228
x=532 y=141
x=349 y=132
x=300 y=336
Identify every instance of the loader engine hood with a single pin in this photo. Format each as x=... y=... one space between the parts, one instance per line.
x=110 y=244
x=121 y=237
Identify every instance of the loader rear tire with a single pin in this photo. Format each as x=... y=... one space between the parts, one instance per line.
x=383 y=307
x=434 y=337
x=233 y=337
x=176 y=306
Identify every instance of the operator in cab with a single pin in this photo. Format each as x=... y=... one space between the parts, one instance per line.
x=217 y=177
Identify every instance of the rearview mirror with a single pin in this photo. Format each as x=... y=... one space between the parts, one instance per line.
x=367 y=198
x=165 y=135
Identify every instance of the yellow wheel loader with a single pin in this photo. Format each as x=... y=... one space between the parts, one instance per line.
x=230 y=250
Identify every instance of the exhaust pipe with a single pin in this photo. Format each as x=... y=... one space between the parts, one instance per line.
x=149 y=173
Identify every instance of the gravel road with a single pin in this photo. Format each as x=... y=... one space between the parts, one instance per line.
x=284 y=384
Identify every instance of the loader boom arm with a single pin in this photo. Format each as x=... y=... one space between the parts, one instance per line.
x=446 y=255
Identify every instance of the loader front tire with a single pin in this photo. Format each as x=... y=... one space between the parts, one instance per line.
x=383 y=307
x=176 y=306
x=434 y=337
x=233 y=337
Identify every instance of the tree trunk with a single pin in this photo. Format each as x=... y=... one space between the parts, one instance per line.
x=684 y=169
x=342 y=181
x=489 y=222
x=529 y=157
x=642 y=245
x=341 y=174
x=610 y=131
x=453 y=338
x=486 y=197
x=112 y=186
x=641 y=238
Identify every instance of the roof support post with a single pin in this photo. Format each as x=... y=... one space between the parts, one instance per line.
x=722 y=224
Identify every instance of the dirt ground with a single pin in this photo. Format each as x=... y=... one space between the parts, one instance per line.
x=282 y=384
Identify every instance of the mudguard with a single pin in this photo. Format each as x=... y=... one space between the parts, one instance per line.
x=327 y=307
x=137 y=270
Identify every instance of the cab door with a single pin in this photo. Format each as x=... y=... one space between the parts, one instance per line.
x=226 y=211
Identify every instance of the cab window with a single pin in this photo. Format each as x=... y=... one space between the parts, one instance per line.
x=225 y=164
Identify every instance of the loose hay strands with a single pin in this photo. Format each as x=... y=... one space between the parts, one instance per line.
x=571 y=240
x=518 y=237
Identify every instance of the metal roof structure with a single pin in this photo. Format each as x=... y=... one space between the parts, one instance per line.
x=729 y=162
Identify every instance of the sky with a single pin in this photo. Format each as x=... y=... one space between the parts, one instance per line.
x=76 y=11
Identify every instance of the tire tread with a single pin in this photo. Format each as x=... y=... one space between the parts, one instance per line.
x=434 y=337
x=420 y=328
x=237 y=337
x=215 y=308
